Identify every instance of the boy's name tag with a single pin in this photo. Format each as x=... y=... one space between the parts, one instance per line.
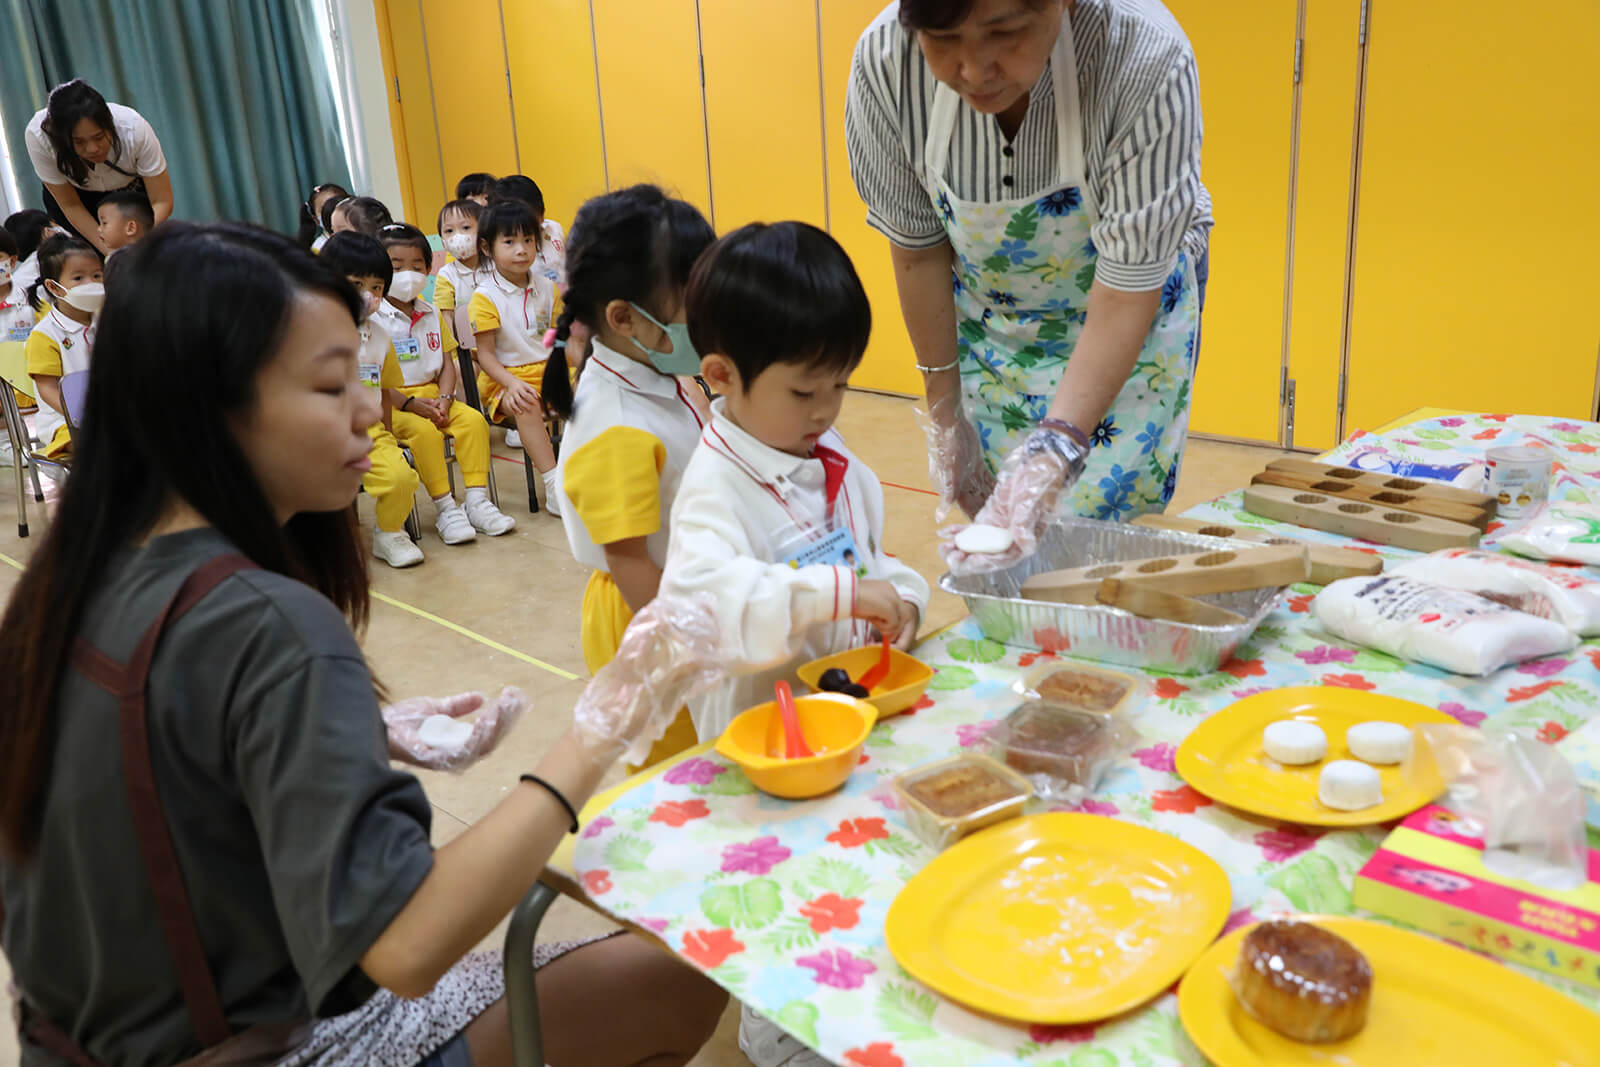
x=371 y=373
x=19 y=333
x=407 y=349
x=836 y=549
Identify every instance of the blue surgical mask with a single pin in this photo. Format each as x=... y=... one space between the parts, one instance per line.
x=683 y=359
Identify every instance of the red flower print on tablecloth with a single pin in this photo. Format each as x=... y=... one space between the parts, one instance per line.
x=710 y=949
x=1544 y=668
x=1551 y=732
x=1299 y=605
x=1594 y=657
x=1184 y=799
x=597 y=883
x=678 y=812
x=877 y=1054
x=1028 y=659
x=1587 y=450
x=972 y=733
x=1452 y=422
x=1099 y=807
x=837 y=968
x=1051 y=642
x=758 y=857
x=1528 y=692
x=1244 y=668
x=1487 y=435
x=924 y=702
x=693 y=772
x=1240 y=694
x=1460 y=713
x=1157 y=757
x=853 y=833
x=1170 y=688
x=1075 y=1033
x=1285 y=843
x=1347 y=681
x=832 y=912
x=1242 y=917
x=1565 y=427
x=1324 y=654
x=1496 y=418
x=598 y=826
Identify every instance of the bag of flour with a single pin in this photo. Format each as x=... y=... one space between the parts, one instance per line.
x=1563 y=594
x=1446 y=628
x=1557 y=530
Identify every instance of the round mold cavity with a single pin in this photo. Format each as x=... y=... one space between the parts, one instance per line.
x=1403 y=484
x=1391 y=498
x=1280 y=541
x=1216 y=531
x=1332 y=487
x=1355 y=509
x=1105 y=570
x=1344 y=474
x=1400 y=517
x=1309 y=498
x=1216 y=559
x=1156 y=566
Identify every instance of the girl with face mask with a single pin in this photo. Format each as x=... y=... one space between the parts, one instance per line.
x=70 y=279
x=459 y=278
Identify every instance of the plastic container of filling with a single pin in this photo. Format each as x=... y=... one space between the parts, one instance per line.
x=1061 y=751
x=1080 y=687
x=947 y=800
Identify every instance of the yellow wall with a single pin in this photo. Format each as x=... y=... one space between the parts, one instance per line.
x=471 y=96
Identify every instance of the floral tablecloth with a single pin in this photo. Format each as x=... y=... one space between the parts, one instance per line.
x=784 y=903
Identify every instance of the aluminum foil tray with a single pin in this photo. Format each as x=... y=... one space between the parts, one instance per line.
x=1094 y=631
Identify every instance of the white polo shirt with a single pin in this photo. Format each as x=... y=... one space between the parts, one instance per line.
x=422 y=340
x=521 y=315
x=26 y=274
x=455 y=283
x=552 y=259
x=743 y=512
x=57 y=347
x=140 y=156
x=16 y=317
x=623 y=453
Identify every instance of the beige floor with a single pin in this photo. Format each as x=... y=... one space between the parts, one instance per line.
x=523 y=591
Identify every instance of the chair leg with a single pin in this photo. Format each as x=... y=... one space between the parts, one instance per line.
x=522 y=994
x=414 y=525
x=533 y=493
x=38 y=490
x=494 y=490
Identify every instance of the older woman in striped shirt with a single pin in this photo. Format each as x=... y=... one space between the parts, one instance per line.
x=1035 y=165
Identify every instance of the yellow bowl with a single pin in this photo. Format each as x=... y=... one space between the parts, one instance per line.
x=906 y=682
x=835 y=727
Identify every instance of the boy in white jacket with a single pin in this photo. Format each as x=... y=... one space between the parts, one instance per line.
x=774 y=516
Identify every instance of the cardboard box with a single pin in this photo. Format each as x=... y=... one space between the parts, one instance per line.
x=1430 y=873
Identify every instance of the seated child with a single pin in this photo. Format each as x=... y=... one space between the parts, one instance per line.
x=425 y=347
x=475 y=187
x=458 y=279
x=16 y=323
x=70 y=279
x=632 y=426
x=551 y=260
x=391 y=482
x=29 y=228
x=125 y=218
x=313 y=233
x=363 y=214
x=510 y=314
x=773 y=501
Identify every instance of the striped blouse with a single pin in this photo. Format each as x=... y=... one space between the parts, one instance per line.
x=1140 y=95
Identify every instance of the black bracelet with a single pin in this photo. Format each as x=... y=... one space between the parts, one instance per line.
x=406 y=403
x=553 y=791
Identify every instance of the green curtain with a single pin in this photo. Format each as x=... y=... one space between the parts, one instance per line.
x=238 y=91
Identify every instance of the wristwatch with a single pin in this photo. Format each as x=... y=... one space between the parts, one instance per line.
x=1061 y=443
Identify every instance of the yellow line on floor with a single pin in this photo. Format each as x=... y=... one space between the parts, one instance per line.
x=482 y=640
x=9 y=561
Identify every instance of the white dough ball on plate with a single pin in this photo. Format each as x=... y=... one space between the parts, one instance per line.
x=1379 y=742
x=1293 y=742
x=983 y=540
x=1349 y=785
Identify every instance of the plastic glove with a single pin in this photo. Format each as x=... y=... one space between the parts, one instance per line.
x=669 y=653
x=955 y=458
x=1024 y=500
x=405 y=717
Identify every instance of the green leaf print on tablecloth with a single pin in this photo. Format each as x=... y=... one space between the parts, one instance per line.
x=906 y=1012
x=800 y=1019
x=980 y=651
x=946 y=679
x=628 y=853
x=1312 y=885
x=749 y=906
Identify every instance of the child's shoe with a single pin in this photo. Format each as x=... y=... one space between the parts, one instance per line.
x=765 y=1044
x=395 y=548
x=485 y=517
x=453 y=524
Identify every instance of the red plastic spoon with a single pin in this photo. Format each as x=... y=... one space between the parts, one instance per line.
x=878 y=671
x=794 y=742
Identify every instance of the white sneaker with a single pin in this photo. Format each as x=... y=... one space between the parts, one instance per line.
x=395 y=549
x=766 y=1045
x=486 y=518
x=8 y=456
x=552 y=503
x=452 y=523
x=513 y=439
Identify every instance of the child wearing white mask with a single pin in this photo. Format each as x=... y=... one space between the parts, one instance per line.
x=459 y=278
x=16 y=323
x=70 y=279
x=425 y=348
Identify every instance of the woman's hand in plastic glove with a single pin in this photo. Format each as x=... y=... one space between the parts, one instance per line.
x=404 y=718
x=955 y=459
x=1023 y=503
x=669 y=653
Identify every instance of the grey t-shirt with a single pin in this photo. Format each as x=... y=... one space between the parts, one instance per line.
x=297 y=840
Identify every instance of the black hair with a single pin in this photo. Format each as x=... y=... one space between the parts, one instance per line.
x=309 y=222
x=325 y=216
x=462 y=206
x=367 y=214
x=8 y=244
x=478 y=183
x=635 y=244
x=779 y=293
x=505 y=217
x=519 y=187
x=28 y=226
x=355 y=255
x=197 y=316
x=70 y=103
x=945 y=14
x=131 y=204
x=53 y=256
x=403 y=233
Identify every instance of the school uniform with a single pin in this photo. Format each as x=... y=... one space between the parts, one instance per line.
x=519 y=316
x=57 y=346
x=781 y=543
x=17 y=320
x=422 y=341
x=552 y=258
x=391 y=482
x=453 y=287
x=26 y=274
x=631 y=435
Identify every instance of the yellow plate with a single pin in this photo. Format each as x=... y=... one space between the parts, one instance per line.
x=1223 y=757
x=906 y=682
x=1432 y=1003
x=1058 y=918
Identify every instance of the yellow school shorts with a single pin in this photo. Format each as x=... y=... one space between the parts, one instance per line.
x=605 y=615
x=490 y=391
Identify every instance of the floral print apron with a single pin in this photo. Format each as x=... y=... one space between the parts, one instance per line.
x=1022 y=275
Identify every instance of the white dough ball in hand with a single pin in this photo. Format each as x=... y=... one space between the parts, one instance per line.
x=444 y=733
x=1349 y=785
x=1379 y=742
x=1292 y=742
x=981 y=539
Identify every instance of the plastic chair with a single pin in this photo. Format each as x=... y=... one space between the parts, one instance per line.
x=522 y=994
x=552 y=425
x=13 y=372
x=74 y=390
